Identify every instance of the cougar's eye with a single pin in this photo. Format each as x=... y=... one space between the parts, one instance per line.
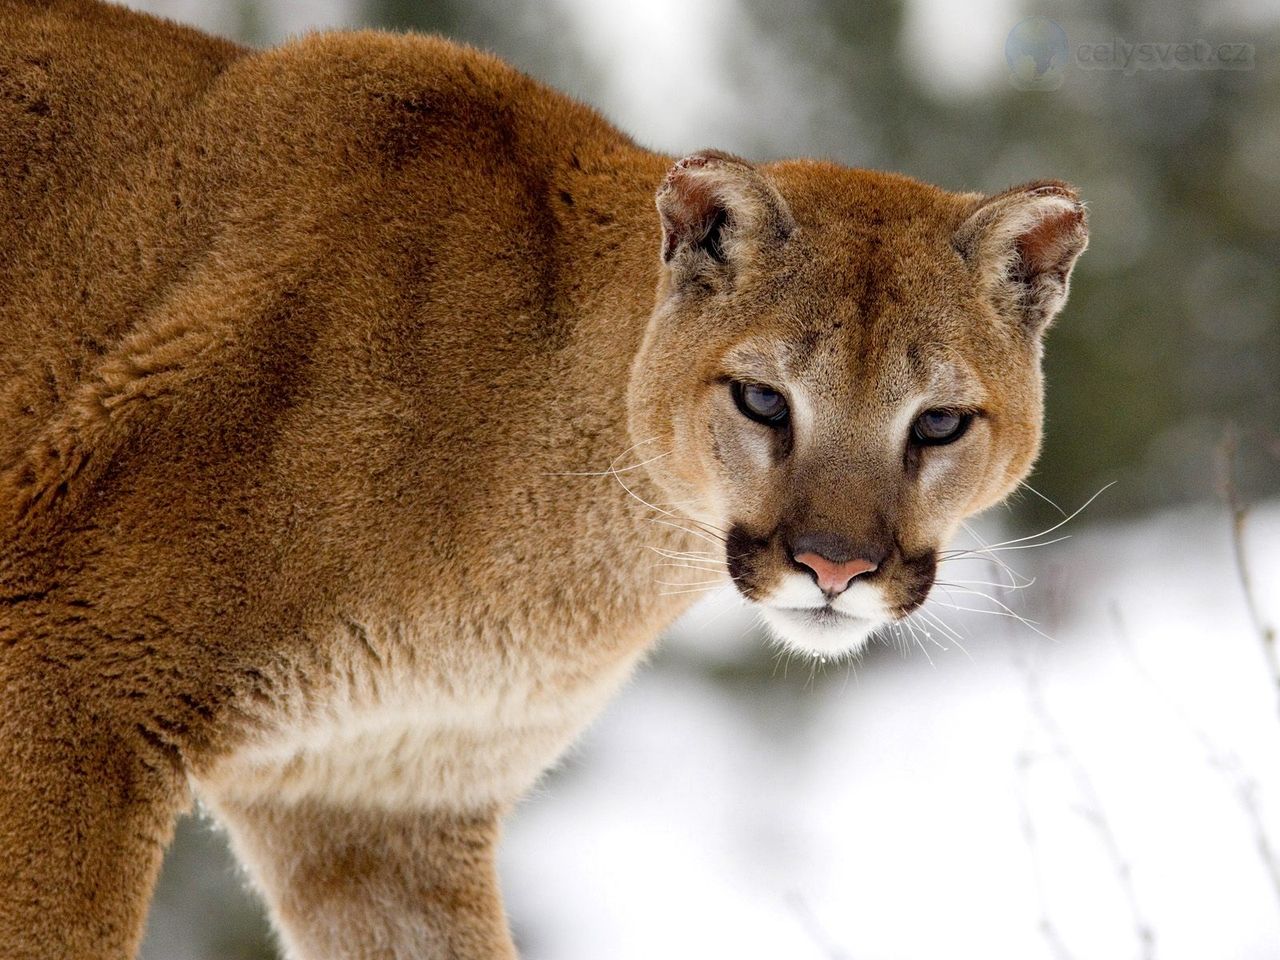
x=937 y=427
x=762 y=404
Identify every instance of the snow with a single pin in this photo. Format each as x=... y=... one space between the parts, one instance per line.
x=1088 y=795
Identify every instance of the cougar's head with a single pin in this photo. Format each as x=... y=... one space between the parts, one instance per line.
x=840 y=367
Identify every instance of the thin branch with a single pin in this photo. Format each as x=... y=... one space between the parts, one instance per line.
x=1266 y=631
x=813 y=927
x=1048 y=929
x=1225 y=762
x=1093 y=812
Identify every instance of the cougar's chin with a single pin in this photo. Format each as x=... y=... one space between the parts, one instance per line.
x=819 y=631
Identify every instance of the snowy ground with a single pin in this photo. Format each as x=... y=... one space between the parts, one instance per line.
x=1103 y=794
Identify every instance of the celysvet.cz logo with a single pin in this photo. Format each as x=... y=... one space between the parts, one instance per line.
x=1039 y=54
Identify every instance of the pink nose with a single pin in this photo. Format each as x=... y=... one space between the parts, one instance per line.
x=834 y=578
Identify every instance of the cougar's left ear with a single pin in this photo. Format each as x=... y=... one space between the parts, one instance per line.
x=1023 y=243
x=717 y=211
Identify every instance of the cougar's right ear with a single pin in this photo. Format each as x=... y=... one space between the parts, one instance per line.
x=717 y=210
x=1023 y=243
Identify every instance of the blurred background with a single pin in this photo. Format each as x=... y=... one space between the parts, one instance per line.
x=1101 y=781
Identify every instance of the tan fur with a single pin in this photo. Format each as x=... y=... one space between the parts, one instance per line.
x=333 y=388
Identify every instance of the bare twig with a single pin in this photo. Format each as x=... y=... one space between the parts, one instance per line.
x=1226 y=762
x=813 y=927
x=1093 y=811
x=1048 y=929
x=1266 y=631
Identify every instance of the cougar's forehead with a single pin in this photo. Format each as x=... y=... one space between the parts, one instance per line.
x=880 y=320
x=826 y=194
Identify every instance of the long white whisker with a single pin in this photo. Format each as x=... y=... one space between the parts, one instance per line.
x=696 y=533
x=959 y=555
x=690 y=566
x=985 y=596
x=681 y=503
x=1001 y=548
x=992 y=551
x=1080 y=509
x=987 y=583
x=707 y=527
x=612 y=468
x=612 y=471
x=615 y=471
x=688 y=554
x=946 y=628
x=1044 y=498
x=928 y=634
x=1014 y=576
x=994 y=613
x=916 y=638
x=1004 y=612
x=920 y=644
x=674 y=593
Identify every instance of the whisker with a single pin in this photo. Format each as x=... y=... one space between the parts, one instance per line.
x=982 y=547
x=916 y=637
x=1080 y=509
x=985 y=596
x=710 y=538
x=961 y=555
x=1014 y=575
x=1004 y=611
x=991 y=551
x=850 y=670
x=681 y=503
x=928 y=634
x=986 y=583
x=902 y=643
x=1000 y=548
x=612 y=468
x=612 y=471
x=706 y=527
x=615 y=472
x=777 y=661
x=994 y=613
x=1044 y=498
x=899 y=639
x=675 y=593
x=690 y=566
x=709 y=555
x=947 y=629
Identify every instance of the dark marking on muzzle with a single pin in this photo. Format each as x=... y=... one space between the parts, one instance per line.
x=744 y=554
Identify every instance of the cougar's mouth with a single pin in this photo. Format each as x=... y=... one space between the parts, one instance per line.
x=824 y=616
x=819 y=630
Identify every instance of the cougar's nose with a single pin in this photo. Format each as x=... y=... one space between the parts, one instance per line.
x=832 y=560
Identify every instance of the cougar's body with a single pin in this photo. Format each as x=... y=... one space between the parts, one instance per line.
x=296 y=351
x=326 y=375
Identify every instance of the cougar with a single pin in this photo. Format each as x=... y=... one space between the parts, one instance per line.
x=368 y=409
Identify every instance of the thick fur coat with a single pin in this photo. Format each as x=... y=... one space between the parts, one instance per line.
x=348 y=391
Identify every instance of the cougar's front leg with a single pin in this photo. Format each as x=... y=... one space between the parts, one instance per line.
x=375 y=885
x=87 y=805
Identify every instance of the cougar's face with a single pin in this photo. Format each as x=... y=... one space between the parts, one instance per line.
x=836 y=379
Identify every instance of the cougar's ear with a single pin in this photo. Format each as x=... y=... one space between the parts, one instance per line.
x=1022 y=244
x=717 y=210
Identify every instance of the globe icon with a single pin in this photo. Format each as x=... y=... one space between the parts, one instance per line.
x=1036 y=51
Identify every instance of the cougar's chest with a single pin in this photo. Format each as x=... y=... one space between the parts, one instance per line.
x=392 y=734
